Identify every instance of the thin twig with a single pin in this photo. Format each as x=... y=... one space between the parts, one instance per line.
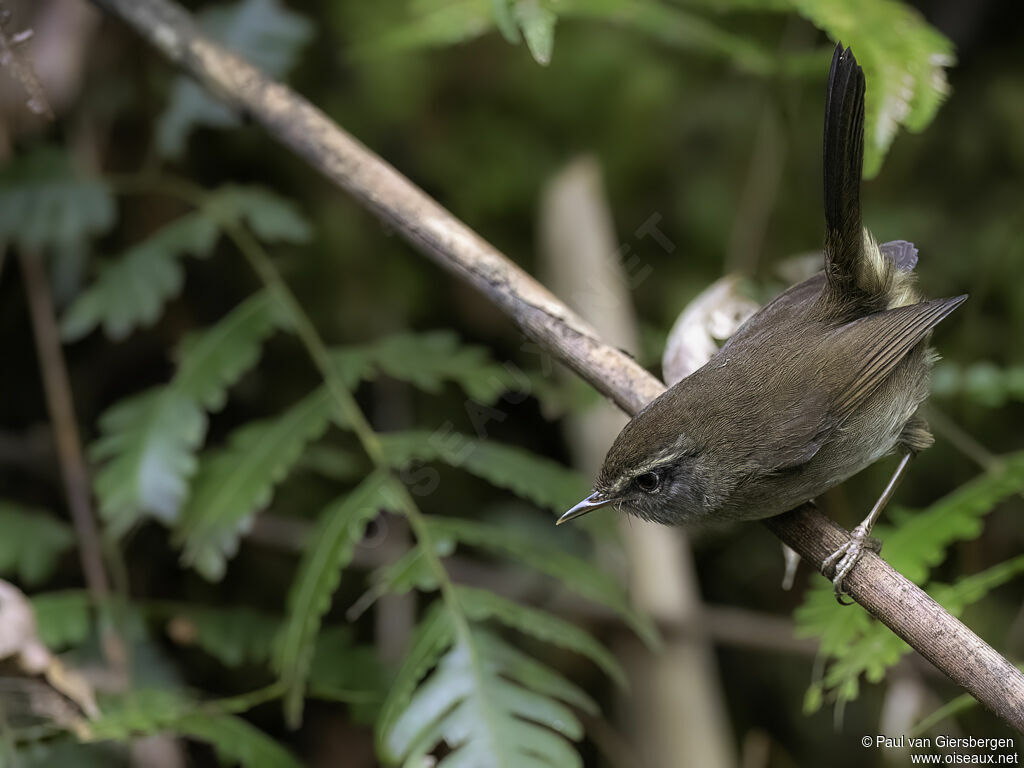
x=308 y=132
x=60 y=404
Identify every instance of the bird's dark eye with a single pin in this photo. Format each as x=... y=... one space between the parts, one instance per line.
x=648 y=482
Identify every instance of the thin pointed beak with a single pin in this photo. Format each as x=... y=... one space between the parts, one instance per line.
x=589 y=504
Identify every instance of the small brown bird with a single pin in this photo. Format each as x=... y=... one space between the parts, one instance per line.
x=821 y=382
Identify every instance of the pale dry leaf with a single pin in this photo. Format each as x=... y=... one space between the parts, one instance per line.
x=19 y=642
x=707 y=321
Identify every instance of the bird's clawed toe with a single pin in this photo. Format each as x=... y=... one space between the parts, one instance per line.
x=839 y=564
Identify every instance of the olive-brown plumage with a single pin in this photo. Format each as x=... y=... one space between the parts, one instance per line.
x=821 y=382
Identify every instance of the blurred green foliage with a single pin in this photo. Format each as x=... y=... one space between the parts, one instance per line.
x=204 y=414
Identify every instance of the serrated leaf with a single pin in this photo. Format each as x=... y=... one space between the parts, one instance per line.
x=505 y=21
x=63 y=618
x=877 y=648
x=132 y=290
x=438 y=22
x=212 y=361
x=46 y=203
x=411 y=571
x=480 y=705
x=903 y=57
x=858 y=645
x=31 y=542
x=481 y=605
x=236 y=741
x=427 y=361
x=148 y=441
x=916 y=545
x=432 y=637
x=537 y=21
x=572 y=572
x=272 y=218
x=542 y=481
x=921 y=540
x=150 y=712
x=443 y=22
x=264 y=32
x=341 y=527
x=904 y=61
x=147 y=449
x=235 y=482
x=532 y=674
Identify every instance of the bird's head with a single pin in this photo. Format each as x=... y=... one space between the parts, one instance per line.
x=653 y=470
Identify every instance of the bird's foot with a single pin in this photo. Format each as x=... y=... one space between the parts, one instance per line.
x=841 y=562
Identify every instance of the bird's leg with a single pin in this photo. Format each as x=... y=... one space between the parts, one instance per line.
x=841 y=561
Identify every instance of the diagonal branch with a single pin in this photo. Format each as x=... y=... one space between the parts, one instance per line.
x=300 y=126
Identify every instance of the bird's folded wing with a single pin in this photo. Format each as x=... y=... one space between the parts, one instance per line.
x=875 y=345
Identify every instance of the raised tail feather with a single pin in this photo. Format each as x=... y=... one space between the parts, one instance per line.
x=843 y=160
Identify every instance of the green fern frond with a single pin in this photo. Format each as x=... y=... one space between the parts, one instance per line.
x=147 y=448
x=904 y=60
x=272 y=218
x=487 y=701
x=411 y=571
x=441 y=22
x=210 y=362
x=542 y=481
x=340 y=528
x=267 y=34
x=428 y=360
x=481 y=605
x=483 y=717
x=234 y=482
x=340 y=670
x=46 y=203
x=574 y=573
x=876 y=648
x=131 y=291
x=433 y=636
x=921 y=539
x=148 y=442
x=151 y=712
x=532 y=674
x=915 y=546
x=858 y=645
x=31 y=542
x=235 y=741
x=64 y=619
